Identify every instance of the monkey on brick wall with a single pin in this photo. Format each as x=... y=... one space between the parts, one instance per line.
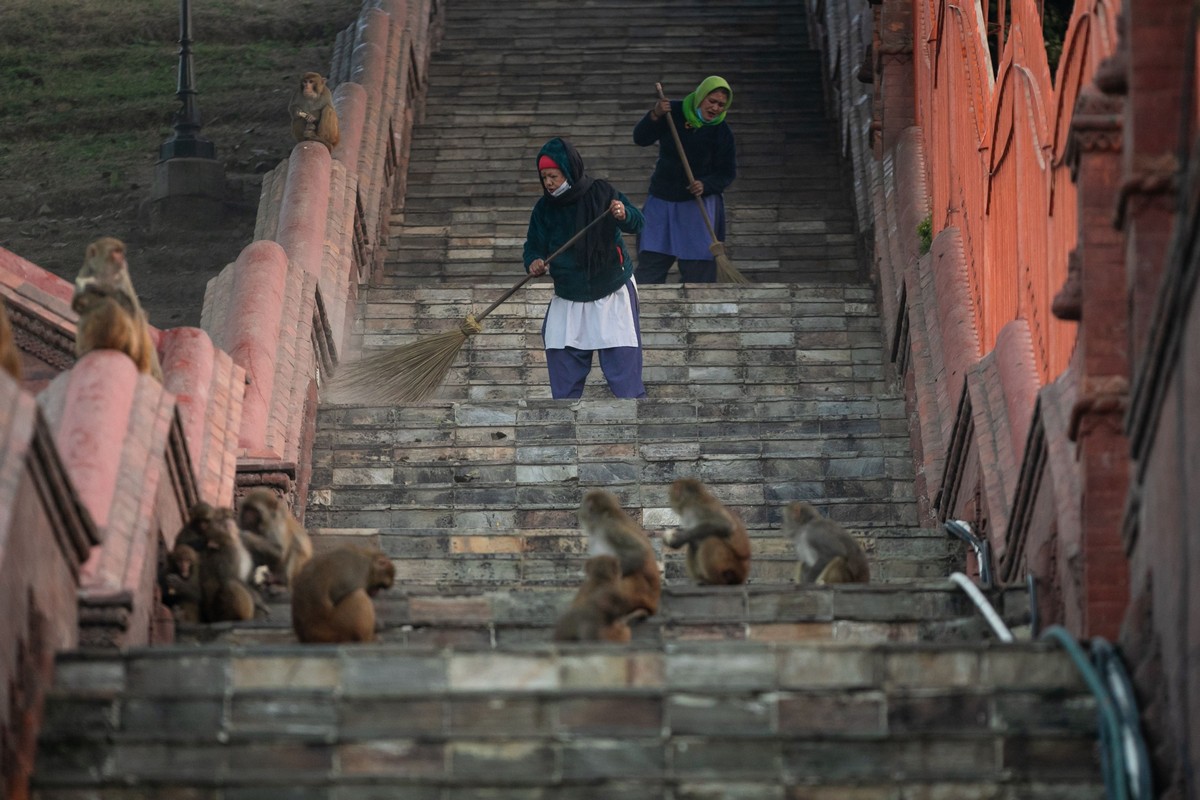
x=110 y=315
x=827 y=553
x=313 y=116
x=718 y=547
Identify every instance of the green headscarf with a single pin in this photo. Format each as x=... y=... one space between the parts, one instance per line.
x=706 y=87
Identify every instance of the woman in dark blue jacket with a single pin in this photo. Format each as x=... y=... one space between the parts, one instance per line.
x=675 y=228
x=595 y=302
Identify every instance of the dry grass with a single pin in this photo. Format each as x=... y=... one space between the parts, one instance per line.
x=87 y=95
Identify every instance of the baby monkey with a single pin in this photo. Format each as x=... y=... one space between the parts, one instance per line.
x=597 y=614
x=827 y=553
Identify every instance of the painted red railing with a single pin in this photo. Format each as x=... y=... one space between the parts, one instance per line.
x=996 y=141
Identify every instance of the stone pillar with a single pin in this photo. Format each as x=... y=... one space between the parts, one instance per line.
x=1095 y=295
x=894 y=83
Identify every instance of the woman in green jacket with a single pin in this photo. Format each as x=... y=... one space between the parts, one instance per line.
x=595 y=302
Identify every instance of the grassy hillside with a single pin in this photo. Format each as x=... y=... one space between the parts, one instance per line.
x=87 y=95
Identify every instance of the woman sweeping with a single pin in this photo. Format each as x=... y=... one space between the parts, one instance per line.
x=675 y=228
x=595 y=302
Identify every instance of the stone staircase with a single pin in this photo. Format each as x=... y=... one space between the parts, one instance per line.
x=510 y=81
x=768 y=392
x=710 y=720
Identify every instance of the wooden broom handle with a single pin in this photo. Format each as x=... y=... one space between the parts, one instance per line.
x=687 y=168
x=578 y=235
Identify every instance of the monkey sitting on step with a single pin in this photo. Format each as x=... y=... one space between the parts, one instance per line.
x=610 y=531
x=181 y=586
x=110 y=315
x=827 y=553
x=331 y=595
x=273 y=535
x=597 y=614
x=225 y=572
x=718 y=547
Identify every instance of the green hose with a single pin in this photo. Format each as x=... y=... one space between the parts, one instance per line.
x=1113 y=737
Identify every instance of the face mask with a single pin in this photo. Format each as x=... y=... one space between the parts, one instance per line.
x=565 y=185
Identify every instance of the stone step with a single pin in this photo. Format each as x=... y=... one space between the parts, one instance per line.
x=527 y=464
x=474 y=616
x=701 y=342
x=690 y=719
x=499 y=557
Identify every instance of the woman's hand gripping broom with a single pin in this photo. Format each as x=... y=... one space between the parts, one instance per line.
x=726 y=271
x=411 y=373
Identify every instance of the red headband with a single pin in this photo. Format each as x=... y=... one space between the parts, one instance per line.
x=546 y=162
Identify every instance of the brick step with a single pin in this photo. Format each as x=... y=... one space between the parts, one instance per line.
x=555 y=557
x=688 y=718
x=474 y=616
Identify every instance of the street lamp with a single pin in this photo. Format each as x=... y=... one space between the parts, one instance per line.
x=189 y=182
x=186 y=141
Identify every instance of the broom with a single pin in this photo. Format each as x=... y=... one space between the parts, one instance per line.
x=410 y=373
x=726 y=271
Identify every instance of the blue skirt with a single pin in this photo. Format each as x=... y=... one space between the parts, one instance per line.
x=678 y=229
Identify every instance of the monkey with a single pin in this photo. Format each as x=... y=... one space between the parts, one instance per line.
x=274 y=537
x=10 y=356
x=597 y=613
x=110 y=315
x=192 y=534
x=331 y=598
x=718 y=547
x=826 y=552
x=610 y=531
x=313 y=116
x=225 y=570
x=182 y=584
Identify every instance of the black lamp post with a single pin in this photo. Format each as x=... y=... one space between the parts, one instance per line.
x=186 y=142
x=189 y=182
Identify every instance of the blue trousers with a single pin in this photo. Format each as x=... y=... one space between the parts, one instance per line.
x=653 y=267
x=622 y=366
x=569 y=368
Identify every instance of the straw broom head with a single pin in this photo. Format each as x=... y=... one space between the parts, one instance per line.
x=726 y=271
x=403 y=375
x=411 y=373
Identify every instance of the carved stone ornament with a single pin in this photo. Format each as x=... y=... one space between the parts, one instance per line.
x=1068 y=303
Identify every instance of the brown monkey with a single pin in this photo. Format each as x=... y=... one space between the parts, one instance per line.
x=182 y=586
x=331 y=598
x=225 y=570
x=192 y=534
x=826 y=552
x=313 y=115
x=110 y=316
x=597 y=614
x=611 y=532
x=273 y=535
x=718 y=547
x=10 y=356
